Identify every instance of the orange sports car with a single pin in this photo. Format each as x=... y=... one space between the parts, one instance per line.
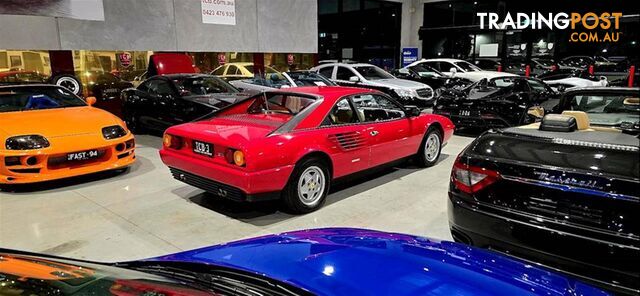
x=48 y=133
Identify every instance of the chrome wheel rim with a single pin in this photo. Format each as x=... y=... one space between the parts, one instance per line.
x=70 y=84
x=432 y=147
x=311 y=185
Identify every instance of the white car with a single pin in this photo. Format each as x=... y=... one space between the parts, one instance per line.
x=241 y=70
x=571 y=82
x=282 y=80
x=370 y=76
x=460 y=68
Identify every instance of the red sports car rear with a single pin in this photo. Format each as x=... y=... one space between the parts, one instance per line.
x=292 y=144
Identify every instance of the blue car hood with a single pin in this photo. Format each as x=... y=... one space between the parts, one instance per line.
x=341 y=261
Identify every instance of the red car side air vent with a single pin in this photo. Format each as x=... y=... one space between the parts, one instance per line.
x=348 y=141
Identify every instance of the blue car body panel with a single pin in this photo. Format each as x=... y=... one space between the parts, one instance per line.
x=342 y=261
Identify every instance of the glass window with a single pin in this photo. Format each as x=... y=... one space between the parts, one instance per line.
x=203 y=86
x=232 y=70
x=468 y=67
x=279 y=103
x=373 y=108
x=436 y=65
x=373 y=73
x=502 y=82
x=344 y=73
x=537 y=85
x=305 y=78
x=163 y=88
x=36 y=98
x=327 y=72
x=426 y=71
x=218 y=71
x=342 y=113
x=610 y=110
x=350 y=5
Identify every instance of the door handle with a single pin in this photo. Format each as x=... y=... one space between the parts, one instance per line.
x=373 y=133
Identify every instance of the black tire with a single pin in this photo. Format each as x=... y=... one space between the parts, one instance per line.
x=132 y=120
x=424 y=159
x=69 y=82
x=293 y=200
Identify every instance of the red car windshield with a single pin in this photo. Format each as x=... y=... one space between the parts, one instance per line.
x=279 y=103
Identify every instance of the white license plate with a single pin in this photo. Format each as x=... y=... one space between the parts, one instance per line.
x=84 y=155
x=203 y=148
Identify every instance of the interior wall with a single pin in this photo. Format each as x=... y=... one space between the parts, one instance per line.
x=171 y=25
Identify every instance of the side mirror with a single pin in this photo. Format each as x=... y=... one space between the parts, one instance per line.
x=453 y=70
x=412 y=111
x=404 y=71
x=354 y=79
x=536 y=111
x=91 y=101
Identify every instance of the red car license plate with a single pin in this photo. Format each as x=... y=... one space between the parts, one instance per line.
x=203 y=148
x=83 y=155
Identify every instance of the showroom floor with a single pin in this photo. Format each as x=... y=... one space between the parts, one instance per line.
x=144 y=212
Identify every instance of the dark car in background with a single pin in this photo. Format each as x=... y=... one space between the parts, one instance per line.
x=106 y=87
x=559 y=193
x=20 y=76
x=429 y=76
x=498 y=102
x=165 y=100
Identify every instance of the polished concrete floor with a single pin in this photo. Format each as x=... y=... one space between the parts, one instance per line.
x=144 y=212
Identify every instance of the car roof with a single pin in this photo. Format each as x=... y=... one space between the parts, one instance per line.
x=612 y=89
x=443 y=60
x=182 y=75
x=347 y=65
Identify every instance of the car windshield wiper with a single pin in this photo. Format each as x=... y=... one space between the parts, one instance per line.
x=220 y=281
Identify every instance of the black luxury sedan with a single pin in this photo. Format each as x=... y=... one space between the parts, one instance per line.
x=430 y=76
x=106 y=88
x=165 y=100
x=498 y=102
x=559 y=193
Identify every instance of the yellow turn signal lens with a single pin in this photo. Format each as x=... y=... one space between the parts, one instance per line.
x=166 y=140
x=238 y=158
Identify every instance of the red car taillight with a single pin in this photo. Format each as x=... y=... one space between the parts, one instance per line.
x=471 y=179
x=170 y=141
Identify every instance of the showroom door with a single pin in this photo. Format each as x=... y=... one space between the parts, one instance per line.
x=387 y=126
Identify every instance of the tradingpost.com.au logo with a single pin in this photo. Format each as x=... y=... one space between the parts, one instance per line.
x=584 y=25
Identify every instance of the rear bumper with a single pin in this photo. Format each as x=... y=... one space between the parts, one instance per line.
x=50 y=165
x=610 y=265
x=225 y=181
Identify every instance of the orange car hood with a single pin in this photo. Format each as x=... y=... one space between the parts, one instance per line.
x=52 y=123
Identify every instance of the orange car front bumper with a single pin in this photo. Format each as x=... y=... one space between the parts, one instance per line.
x=30 y=166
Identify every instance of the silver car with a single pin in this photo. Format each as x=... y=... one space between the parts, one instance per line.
x=406 y=92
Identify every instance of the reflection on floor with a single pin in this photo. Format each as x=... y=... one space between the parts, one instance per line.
x=143 y=212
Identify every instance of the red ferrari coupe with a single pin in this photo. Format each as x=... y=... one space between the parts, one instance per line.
x=290 y=145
